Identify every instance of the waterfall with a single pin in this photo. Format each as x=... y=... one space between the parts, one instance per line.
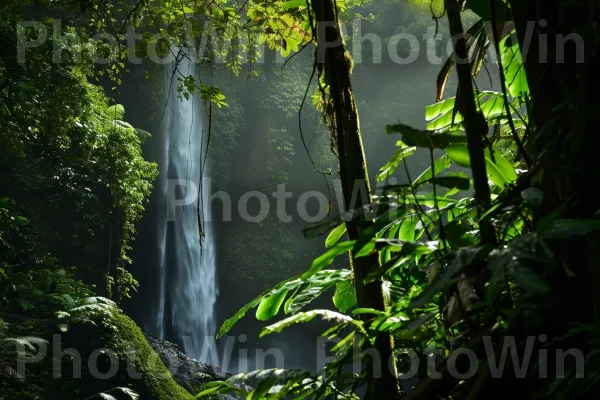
x=184 y=307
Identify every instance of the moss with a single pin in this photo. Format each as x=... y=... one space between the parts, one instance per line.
x=112 y=341
x=131 y=346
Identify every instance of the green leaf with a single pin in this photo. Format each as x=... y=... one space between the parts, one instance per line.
x=529 y=281
x=436 y=110
x=284 y=286
x=390 y=167
x=133 y=395
x=293 y=4
x=407 y=229
x=221 y=387
x=116 y=112
x=327 y=258
x=380 y=224
x=462 y=258
x=441 y=164
x=499 y=169
x=344 y=298
x=308 y=316
x=441 y=117
x=364 y=310
x=429 y=200
x=387 y=266
x=314 y=287
x=459 y=154
x=269 y=306
x=425 y=139
x=451 y=182
x=335 y=235
x=514 y=70
x=458 y=234
x=567 y=228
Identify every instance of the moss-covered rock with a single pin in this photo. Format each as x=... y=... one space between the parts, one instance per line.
x=83 y=359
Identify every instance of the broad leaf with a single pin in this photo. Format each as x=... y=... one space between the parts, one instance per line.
x=441 y=164
x=514 y=70
x=293 y=4
x=335 y=235
x=425 y=139
x=308 y=316
x=327 y=258
x=567 y=228
x=315 y=286
x=269 y=306
x=499 y=169
x=380 y=224
x=344 y=298
x=390 y=167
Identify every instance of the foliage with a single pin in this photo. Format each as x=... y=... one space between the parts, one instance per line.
x=445 y=287
x=67 y=152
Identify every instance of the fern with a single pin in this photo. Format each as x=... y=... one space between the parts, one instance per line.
x=104 y=395
x=26 y=343
x=88 y=308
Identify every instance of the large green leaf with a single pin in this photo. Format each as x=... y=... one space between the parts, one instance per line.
x=308 y=316
x=440 y=114
x=269 y=306
x=344 y=297
x=429 y=200
x=380 y=224
x=335 y=235
x=567 y=228
x=259 y=384
x=514 y=70
x=282 y=287
x=314 y=287
x=441 y=164
x=425 y=139
x=407 y=229
x=294 y=4
x=327 y=258
x=455 y=181
x=499 y=169
x=390 y=167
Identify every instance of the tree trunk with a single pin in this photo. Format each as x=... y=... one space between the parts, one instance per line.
x=334 y=64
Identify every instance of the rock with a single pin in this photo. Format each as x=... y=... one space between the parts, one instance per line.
x=187 y=372
x=113 y=352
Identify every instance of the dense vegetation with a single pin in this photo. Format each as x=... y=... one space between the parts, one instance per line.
x=494 y=243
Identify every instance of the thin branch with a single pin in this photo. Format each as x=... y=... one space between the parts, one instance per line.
x=475 y=124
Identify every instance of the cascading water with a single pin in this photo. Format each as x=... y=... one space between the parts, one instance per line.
x=186 y=252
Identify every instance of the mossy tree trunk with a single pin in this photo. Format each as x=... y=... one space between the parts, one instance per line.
x=334 y=64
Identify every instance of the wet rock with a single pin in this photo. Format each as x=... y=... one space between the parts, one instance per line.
x=187 y=372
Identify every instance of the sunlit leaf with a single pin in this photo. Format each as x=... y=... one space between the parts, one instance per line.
x=327 y=258
x=269 y=306
x=335 y=235
x=499 y=169
x=425 y=139
x=344 y=298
